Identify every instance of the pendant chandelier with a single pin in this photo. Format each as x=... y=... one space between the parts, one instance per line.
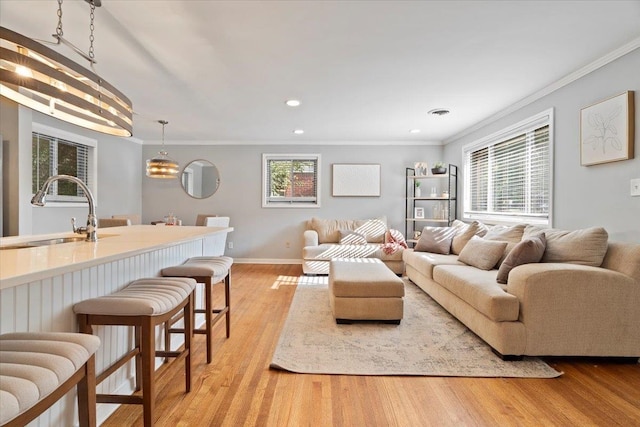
x=40 y=78
x=162 y=166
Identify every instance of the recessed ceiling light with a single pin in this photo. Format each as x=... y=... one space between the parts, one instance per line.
x=439 y=112
x=293 y=102
x=298 y=131
x=414 y=131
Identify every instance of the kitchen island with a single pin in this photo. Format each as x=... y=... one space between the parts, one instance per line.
x=39 y=286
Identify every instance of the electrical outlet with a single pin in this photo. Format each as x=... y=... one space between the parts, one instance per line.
x=230 y=245
x=635 y=187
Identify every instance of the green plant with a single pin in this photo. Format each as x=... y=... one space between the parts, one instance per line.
x=417 y=183
x=439 y=165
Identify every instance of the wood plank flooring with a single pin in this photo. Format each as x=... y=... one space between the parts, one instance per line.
x=238 y=389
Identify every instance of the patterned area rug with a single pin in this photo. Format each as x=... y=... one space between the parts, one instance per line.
x=428 y=341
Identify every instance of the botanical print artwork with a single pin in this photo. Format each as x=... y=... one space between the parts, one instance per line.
x=605 y=130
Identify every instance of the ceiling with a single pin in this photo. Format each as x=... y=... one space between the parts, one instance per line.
x=365 y=71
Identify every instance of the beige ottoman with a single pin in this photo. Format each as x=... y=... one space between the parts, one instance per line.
x=364 y=289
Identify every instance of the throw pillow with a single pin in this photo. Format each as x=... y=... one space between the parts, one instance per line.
x=586 y=247
x=464 y=233
x=373 y=229
x=481 y=253
x=436 y=240
x=529 y=250
x=348 y=237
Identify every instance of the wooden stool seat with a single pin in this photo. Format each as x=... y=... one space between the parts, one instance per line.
x=143 y=304
x=38 y=368
x=208 y=270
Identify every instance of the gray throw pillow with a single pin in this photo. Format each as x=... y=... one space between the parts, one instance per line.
x=436 y=240
x=528 y=251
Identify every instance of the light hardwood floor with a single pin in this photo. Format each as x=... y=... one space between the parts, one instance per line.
x=239 y=389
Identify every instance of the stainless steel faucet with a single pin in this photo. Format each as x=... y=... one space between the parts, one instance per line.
x=92 y=223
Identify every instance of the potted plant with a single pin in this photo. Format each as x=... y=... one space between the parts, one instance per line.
x=439 y=168
x=417 y=192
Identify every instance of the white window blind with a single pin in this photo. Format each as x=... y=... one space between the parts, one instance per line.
x=508 y=176
x=55 y=153
x=291 y=180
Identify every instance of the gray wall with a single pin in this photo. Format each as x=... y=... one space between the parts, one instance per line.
x=119 y=175
x=583 y=196
x=262 y=234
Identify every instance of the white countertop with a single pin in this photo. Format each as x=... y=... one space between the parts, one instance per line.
x=18 y=266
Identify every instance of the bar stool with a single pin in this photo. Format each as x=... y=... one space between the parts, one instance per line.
x=209 y=271
x=143 y=304
x=38 y=368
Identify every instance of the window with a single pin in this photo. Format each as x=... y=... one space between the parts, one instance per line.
x=55 y=152
x=508 y=175
x=291 y=180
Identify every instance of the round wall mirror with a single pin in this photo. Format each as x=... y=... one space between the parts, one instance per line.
x=200 y=179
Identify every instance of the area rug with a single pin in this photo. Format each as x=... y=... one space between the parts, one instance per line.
x=428 y=342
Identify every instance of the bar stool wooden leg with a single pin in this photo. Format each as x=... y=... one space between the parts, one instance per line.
x=148 y=369
x=138 y=359
x=87 y=395
x=208 y=311
x=188 y=334
x=227 y=301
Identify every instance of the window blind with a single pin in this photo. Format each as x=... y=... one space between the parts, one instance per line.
x=54 y=156
x=509 y=177
x=290 y=180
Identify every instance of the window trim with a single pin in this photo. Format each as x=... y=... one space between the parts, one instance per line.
x=288 y=156
x=92 y=162
x=543 y=118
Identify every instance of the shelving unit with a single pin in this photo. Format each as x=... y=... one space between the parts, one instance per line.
x=439 y=209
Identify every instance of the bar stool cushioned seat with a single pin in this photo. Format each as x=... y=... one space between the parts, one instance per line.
x=143 y=304
x=209 y=270
x=37 y=365
x=141 y=297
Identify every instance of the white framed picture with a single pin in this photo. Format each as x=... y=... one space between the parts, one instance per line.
x=418 y=212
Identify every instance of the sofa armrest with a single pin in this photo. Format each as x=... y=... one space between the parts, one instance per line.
x=571 y=309
x=310 y=238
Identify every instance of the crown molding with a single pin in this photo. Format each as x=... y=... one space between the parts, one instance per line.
x=294 y=143
x=566 y=80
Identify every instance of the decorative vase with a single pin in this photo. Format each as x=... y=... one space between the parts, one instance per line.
x=418 y=193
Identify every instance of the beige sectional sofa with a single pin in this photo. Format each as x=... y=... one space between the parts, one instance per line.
x=581 y=299
x=325 y=239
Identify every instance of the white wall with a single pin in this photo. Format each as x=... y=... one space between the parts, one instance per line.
x=583 y=196
x=262 y=233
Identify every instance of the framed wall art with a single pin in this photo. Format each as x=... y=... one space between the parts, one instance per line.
x=359 y=180
x=607 y=130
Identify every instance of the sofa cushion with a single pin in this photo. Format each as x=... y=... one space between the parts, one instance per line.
x=464 y=233
x=585 y=247
x=436 y=240
x=348 y=237
x=506 y=233
x=479 y=289
x=529 y=250
x=329 y=229
x=482 y=254
x=425 y=261
x=327 y=251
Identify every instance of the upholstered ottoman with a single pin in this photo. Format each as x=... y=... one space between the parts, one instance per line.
x=365 y=289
